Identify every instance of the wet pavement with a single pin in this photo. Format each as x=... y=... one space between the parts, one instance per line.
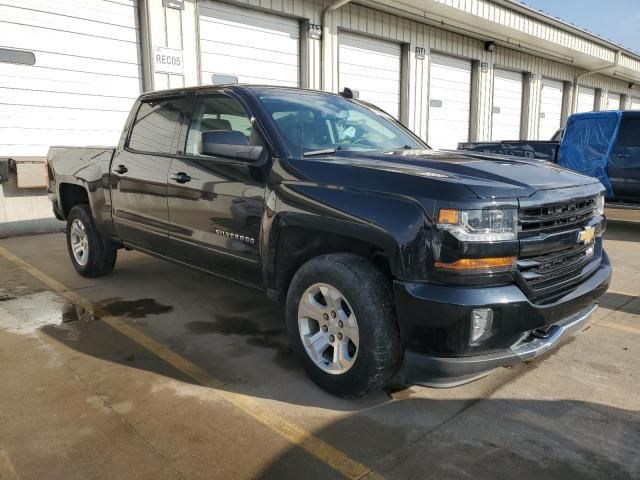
x=160 y=372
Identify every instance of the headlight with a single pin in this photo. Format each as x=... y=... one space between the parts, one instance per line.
x=600 y=205
x=488 y=225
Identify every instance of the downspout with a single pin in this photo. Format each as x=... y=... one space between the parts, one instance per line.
x=574 y=100
x=326 y=44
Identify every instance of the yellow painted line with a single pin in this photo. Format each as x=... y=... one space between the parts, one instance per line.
x=298 y=436
x=617 y=326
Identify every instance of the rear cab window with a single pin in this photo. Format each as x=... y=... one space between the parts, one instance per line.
x=156 y=127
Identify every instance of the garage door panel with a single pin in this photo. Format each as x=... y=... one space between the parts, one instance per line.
x=550 y=108
x=61 y=81
x=613 y=101
x=86 y=77
x=255 y=47
x=55 y=136
x=54 y=62
x=15 y=96
x=392 y=76
x=586 y=99
x=242 y=53
x=234 y=36
x=46 y=20
x=78 y=45
x=635 y=103
x=449 y=101
x=507 y=105
x=17 y=116
x=116 y=13
x=372 y=67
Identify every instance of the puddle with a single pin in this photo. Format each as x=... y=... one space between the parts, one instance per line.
x=26 y=314
x=272 y=338
x=134 y=308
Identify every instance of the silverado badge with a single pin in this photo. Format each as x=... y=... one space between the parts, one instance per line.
x=587 y=235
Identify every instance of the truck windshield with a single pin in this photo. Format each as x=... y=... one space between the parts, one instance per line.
x=317 y=124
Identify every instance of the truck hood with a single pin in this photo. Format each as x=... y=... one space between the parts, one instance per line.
x=482 y=175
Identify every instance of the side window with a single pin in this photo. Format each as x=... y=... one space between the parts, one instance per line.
x=216 y=112
x=156 y=126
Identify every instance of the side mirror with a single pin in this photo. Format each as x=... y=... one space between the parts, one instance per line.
x=230 y=144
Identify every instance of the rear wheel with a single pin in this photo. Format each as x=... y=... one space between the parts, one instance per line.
x=341 y=323
x=90 y=254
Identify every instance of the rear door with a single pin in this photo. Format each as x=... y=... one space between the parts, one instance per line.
x=139 y=174
x=215 y=204
x=624 y=163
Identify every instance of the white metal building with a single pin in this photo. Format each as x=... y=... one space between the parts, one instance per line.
x=450 y=70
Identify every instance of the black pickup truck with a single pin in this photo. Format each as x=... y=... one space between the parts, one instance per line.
x=391 y=258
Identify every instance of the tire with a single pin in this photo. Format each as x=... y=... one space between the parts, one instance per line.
x=363 y=294
x=94 y=256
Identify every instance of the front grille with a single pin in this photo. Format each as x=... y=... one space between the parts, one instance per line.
x=556 y=217
x=549 y=272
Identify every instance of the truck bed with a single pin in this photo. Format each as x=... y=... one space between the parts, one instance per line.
x=540 y=149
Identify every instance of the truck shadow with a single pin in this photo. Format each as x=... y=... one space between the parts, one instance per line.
x=491 y=439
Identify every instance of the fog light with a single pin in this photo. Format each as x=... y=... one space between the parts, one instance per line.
x=481 y=320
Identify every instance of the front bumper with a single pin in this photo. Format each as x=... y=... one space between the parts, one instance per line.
x=435 y=325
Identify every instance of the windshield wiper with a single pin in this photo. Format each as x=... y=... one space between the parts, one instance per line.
x=326 y=151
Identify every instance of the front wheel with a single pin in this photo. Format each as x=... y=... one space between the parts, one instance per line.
x=342 y=325
x=90 y=254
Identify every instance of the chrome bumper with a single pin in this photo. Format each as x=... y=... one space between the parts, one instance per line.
x=533 y=346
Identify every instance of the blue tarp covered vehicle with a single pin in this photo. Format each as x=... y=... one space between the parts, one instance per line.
x=605 y=145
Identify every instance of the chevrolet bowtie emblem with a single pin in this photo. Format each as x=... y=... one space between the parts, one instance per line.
x=587 y=235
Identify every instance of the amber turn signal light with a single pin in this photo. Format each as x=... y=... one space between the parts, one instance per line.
x=478 y=263
x=447 y=216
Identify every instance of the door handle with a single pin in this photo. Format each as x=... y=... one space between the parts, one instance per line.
x=180 y=177
x=121 y=169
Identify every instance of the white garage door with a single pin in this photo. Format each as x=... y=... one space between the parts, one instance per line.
x=586 y=99
x=613 y=101
x=507 y=105
x=449 y=101
x=635 y=103
x=255 y=47
x=550 y=108
x=372 y=67
x=85 y=77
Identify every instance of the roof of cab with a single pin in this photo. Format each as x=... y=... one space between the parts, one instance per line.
x=173 y=92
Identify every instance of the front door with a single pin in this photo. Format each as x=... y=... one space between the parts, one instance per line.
x=216 y=204
x=139 y=175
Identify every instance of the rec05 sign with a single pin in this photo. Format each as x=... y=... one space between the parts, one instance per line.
x=167 y=60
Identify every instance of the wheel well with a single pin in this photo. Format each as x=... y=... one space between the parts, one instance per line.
x=72 y=195
x=298 y=245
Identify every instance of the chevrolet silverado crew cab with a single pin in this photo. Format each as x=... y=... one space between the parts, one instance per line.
x=391 y=258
